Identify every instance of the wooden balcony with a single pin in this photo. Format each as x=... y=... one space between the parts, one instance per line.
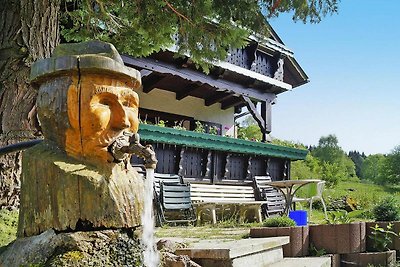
x=216 y=159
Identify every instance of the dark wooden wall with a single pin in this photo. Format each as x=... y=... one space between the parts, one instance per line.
x=196 y=164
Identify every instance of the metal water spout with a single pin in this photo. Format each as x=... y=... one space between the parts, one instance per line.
x=130 y=144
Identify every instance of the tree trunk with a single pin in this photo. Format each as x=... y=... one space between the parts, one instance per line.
x=28 y=31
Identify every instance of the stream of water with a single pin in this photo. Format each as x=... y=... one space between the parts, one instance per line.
x=151 y=257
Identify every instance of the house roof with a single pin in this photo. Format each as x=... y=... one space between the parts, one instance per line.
x=229 y=80
x=172 y=136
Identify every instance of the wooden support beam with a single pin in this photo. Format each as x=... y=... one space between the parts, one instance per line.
x=264 y=119
x=266 y=114
x=196 y=76
x=150 y=83
x=186 y=91
x=233 y=102
x=217 y=97
x=145 y=73
x=253 y=110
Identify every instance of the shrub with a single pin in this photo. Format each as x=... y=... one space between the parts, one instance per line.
x=381 y=238
x=283 y=221
x=338 y=203
x=387 y=209
x=342 y=216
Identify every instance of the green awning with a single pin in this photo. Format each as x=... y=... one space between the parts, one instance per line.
x=152 y=133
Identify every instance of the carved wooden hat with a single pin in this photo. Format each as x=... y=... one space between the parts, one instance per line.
x=91 y=56
x=64 y=81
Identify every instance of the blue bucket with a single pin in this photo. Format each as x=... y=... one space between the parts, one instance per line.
x=299 y=216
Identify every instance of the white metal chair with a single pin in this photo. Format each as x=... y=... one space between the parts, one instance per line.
x=314 y=192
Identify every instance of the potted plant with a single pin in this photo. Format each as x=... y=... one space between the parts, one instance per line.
x=386 y=212
x=340 y=235
x=284 y=226
x=381 y=255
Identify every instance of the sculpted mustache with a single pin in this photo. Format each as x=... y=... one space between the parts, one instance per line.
x=109 y=137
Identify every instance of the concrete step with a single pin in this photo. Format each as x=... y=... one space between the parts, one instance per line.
x=257 y=252
x=303 y=262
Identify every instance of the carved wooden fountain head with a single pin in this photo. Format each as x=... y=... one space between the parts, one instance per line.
x=86 y=99
x=80 y=178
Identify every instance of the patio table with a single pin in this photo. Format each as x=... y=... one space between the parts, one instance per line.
x=289 y=189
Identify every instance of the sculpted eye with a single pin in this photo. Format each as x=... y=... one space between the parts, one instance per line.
x=131 y=103
x=105 y=102
x=127 y=103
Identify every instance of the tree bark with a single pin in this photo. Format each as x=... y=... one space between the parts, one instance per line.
x=29 y=30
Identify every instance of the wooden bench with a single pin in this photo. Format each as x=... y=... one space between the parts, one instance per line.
x=210 y=197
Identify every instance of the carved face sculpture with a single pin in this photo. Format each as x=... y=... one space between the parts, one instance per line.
x=86 y=100
x=100 y=110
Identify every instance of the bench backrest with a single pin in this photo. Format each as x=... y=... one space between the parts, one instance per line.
x=228 y=193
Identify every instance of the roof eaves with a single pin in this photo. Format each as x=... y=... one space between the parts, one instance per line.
x=219 y=143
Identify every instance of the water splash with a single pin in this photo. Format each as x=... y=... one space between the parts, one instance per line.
x=151 y=257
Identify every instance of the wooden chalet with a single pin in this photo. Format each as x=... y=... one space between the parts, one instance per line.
x=175 y=92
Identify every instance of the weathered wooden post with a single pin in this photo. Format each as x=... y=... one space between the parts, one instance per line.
x=79 y=178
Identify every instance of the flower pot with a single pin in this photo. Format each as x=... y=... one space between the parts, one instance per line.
x=339 y=238
x=298 y=236
x=395 y=239
x=386 y=258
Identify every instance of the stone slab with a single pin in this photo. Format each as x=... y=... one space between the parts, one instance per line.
x=229 y=250
x=261 y=259
x=303 y=262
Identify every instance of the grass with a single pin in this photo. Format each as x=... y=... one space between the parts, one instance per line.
x=204 y=232
x=365 y=194
x=8 y=226
x=360 y=194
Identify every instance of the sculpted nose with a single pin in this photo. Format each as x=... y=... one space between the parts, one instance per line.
x=120 y=119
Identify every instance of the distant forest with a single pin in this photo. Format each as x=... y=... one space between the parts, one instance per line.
x=328 y=161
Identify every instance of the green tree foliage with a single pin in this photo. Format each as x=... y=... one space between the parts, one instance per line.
x=328 y=149
x=374 y=168
x=393 y=166
x=287 y=143
x=358 y=160
x=249 y=130
x=306 y=169
x=335 y=165
x=203 y=29
x=382 y=169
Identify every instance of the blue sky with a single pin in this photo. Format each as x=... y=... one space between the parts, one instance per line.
x=353 y=62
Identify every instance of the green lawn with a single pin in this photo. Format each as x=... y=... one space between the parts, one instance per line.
x=8 y=226
x=365 y=194
x=361 y=195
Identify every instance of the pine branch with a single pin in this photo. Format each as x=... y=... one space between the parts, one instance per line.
x=177 y=12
